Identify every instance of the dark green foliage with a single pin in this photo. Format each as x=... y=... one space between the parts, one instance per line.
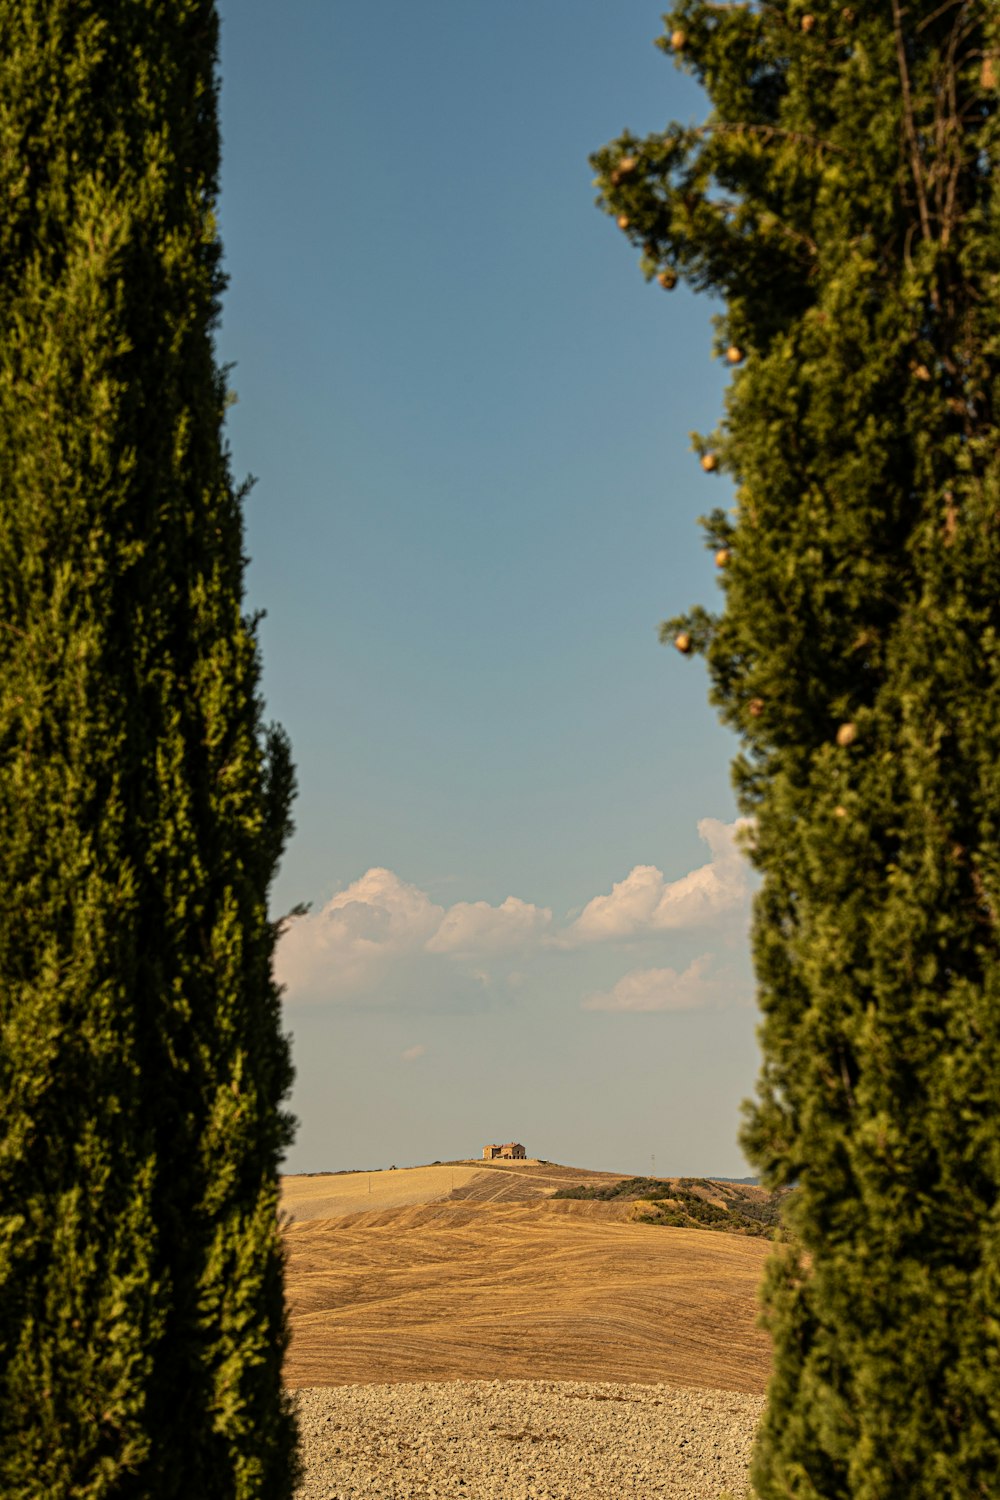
x=142 y=803
x=694 y=1205
x=686 y=1210
x=691 y=1203
x=628 y=1187
x=767 y=1209
x=842 y=198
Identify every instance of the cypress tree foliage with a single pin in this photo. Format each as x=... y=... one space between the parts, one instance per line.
x=842 y=198
x=143 y=803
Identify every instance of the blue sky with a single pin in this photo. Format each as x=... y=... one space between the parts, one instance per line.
x=469 y=420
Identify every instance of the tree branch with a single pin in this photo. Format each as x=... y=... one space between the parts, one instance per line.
x=911 y=130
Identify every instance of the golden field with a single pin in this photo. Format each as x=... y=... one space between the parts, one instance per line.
x=470 y=1271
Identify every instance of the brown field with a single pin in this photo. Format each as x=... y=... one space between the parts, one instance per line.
x=490 y=1280
x=330 y=1195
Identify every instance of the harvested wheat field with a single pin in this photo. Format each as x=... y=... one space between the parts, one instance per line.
x=493 y=1281
x=456 y=1332
x=330 y=1195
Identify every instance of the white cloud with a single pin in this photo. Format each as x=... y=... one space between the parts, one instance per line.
x=660 y=989
x=644 y=902
x=385 y=938
x=347 y=945
x=412 y=1053
x=380 y=924
x=476 y=927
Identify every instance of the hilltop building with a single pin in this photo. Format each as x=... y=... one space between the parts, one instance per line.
x=513 y=1151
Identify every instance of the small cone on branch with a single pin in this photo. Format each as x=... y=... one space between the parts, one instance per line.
x=988 y=74
x=683 y=642
x=756 y=707
x=623 y=221
x=626 y=165
x=807 y=23
x=667 y=279
x=722 y=557
x=734 y=354
x=921 y=372
x=841 y=812
x=678 y=40
x=846 y=735
x=709 y=462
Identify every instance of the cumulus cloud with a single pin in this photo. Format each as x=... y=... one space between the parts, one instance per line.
x=412 y=1053
x=347 y=945
x=367 y=931
x=660 y=989
x=476 y=927
x=383 y=937
x=644 y=902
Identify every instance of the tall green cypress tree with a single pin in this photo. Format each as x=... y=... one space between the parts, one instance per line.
x=143 y=805
x=842 y=198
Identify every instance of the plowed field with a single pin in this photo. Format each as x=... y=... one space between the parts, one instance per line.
x=490 y=1280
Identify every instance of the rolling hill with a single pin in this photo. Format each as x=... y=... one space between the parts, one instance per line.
x=472 y=1270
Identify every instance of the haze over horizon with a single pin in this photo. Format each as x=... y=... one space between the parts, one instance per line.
x=469 y=419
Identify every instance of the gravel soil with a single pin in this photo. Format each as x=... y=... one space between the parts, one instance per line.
x=525 y=1440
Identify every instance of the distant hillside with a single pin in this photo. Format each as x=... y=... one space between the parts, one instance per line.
x=740 y=1208
x=691 y=1203
x=474 y=1271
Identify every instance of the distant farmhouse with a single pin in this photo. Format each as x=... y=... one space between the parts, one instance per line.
x=513 y=1151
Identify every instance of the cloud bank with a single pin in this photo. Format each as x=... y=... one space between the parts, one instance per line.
x=384 y=935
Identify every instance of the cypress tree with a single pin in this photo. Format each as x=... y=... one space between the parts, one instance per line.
x=842 y=200
x=143 y=802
